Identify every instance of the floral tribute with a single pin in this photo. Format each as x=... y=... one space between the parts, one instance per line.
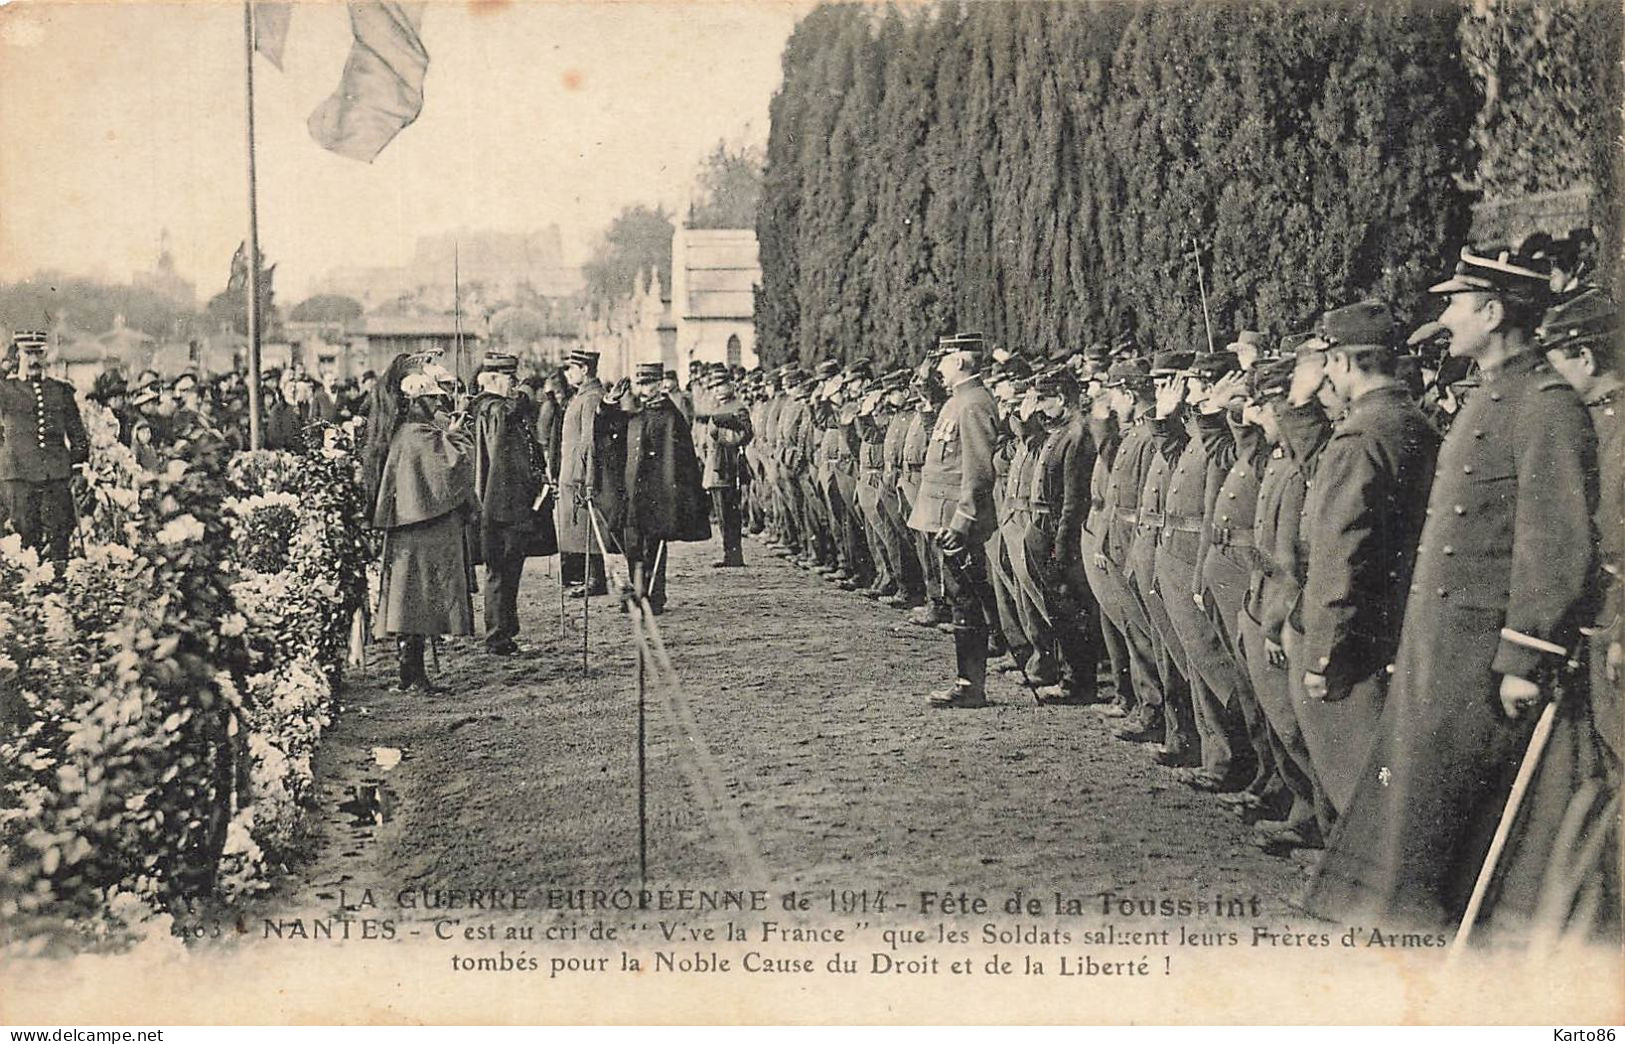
x=161 y=701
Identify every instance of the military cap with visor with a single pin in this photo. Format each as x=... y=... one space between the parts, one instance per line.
x=1586 y=320
x=1503 y=276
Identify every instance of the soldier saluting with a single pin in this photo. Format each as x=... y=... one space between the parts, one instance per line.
x=42 y=438
x=955 y=504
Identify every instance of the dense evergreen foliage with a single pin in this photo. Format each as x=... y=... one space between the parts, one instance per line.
x=1050 y=173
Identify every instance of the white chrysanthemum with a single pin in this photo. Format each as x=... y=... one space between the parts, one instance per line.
x=180 y=530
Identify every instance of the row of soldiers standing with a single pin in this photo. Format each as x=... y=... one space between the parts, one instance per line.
x=1312 y=591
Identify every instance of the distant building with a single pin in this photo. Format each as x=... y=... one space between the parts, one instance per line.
x=164 y=280
x=638 y=329
x=488 y=266
x=375 y=340
x=714 y=274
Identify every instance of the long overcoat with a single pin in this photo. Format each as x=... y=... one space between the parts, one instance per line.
x=664 y=497
x=508 y=473
x=1504 y=560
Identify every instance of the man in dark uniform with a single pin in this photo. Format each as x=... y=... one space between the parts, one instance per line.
x=1274 y=596
x=42 y=439
x=665 y=499
x=1169 y=437
x=1059 y=501
x=956 y=506
x=1209 y=668
x=1363 y=516
x=1133 y=403
x=508 y=478
x=1581 y=341
x=897 y=405
x=1225 y=566
x=1504 y=563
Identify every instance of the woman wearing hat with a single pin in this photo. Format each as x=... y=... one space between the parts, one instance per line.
x=425 y=497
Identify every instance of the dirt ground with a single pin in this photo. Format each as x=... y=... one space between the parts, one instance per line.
x=811 y=703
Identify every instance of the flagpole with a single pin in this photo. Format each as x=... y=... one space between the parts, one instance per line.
x=256 y=438
x=457 y=302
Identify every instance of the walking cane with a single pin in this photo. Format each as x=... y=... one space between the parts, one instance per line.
x=1503 y=829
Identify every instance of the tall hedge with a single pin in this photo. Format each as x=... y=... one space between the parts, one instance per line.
x=1050 y=173
x=1552 y=84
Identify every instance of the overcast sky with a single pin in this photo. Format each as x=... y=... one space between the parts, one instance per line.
x=121 y=120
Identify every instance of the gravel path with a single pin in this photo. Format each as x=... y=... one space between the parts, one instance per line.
x=811 y=702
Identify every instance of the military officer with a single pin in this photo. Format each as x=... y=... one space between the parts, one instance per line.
x=955 y=505
x=1505 y=559
x=1362 y=517
x=576 y=471
x=509 y=475
x=726 y=432
x=665 y=498
x=42 y=439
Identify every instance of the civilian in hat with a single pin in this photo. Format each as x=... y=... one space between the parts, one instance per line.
x=111 y=391
x=727 y=431
x=426 y=498
x=282 y=428
x=42 y=439
x=665 y=498
x=1505 y=561
x=578 y=475
x=509 y=479
x=955 y=506
x=1364 y=514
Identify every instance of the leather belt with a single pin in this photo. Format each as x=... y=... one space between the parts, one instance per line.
x=1176 y=524
x=1131 y=517
x=1224 y=536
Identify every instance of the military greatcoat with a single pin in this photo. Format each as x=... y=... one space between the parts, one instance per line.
x=1504 y=561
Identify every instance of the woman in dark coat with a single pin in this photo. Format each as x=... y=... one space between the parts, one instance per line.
x=425 y=499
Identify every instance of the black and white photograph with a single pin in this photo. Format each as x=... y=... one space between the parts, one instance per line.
x=769 y=512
